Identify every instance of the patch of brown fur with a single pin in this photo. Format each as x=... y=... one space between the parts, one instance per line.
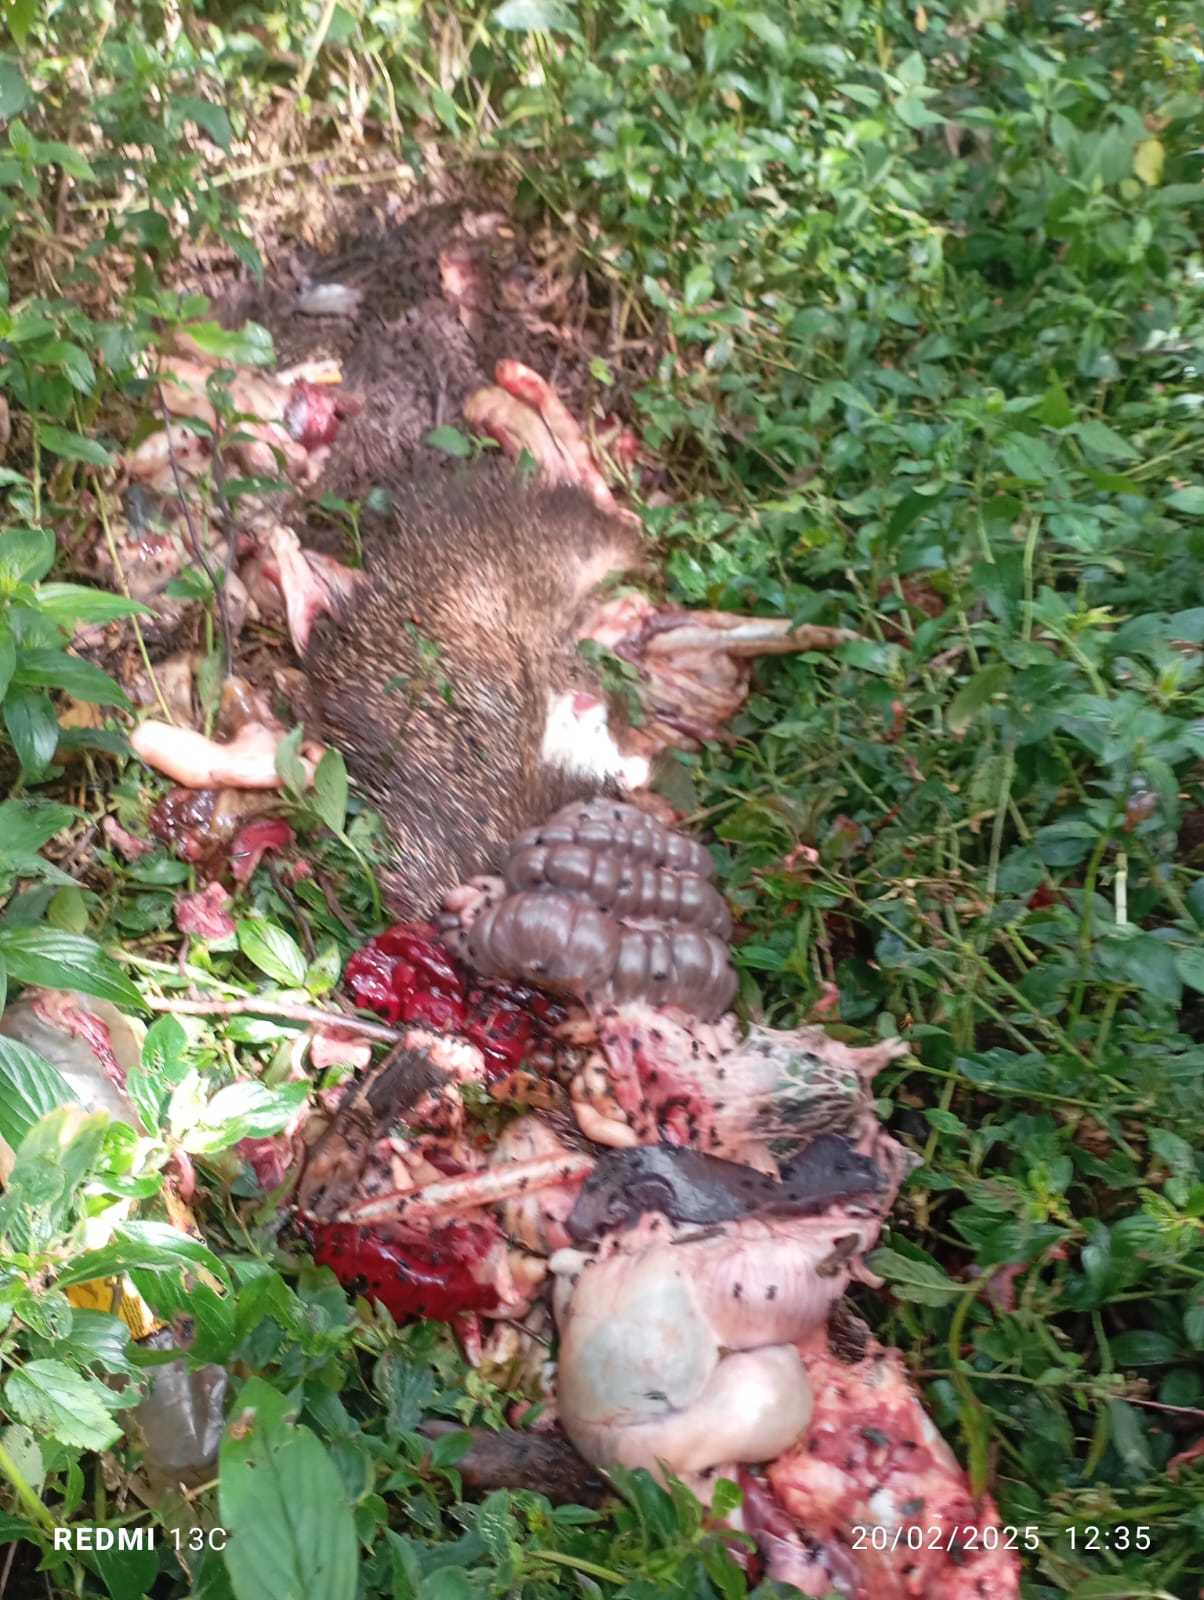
x=435 y=682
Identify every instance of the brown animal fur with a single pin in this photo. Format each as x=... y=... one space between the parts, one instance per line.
x=445 y=743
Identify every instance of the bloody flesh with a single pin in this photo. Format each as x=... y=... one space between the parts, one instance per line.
x=406 y=976
x=412 y=1274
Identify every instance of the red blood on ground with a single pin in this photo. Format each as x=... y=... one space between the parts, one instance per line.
x=416 y=1275
x=406 y=976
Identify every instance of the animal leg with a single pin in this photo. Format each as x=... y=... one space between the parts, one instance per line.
x=696 y=665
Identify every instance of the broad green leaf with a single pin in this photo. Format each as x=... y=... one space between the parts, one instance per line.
x=73 y=446
x=26 y=825
x=26 y=554
x=29 y=1088
x=163 y=1066
x=725 y=1498
x=1144 y=961
x=273 y=951
x=60 y=1404
x=920 y=1281
x=1129 y=1437
x=445 y=1583
x=147 y=1246
x=699 y=286
x=14 y=91
x=33 y=728
x=250 y=345
x=283 y=1504
x=208 y=116
x=72 y=602
x=534 y=16
x=54 y=960
x=450 y=440
x=56 y=152
x=975 y=693
x=1029 y=458
x=288 y=761
x=25 y=1453
x=245 y=1110
x=1190 y=500
x=81 y=374
x=126 y=1573
x=95 y=1339
x=8 y=655
x=55 y=1157
x=1104 y=441
x=1189 y=964
x=330 y=790
x=54 y=669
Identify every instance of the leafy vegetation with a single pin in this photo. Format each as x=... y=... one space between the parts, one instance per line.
x=914 y=296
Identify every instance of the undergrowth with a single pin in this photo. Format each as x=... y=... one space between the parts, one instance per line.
x=916 y=296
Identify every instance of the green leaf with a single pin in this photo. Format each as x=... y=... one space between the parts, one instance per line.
x=1143 y=961
x=209 y=117
x=57 y=1154
x=699 y=286
x=330 y=790
x=248 y=346
x=1105 y=442
x=244 y=1110
x=95 y=1339
x=922 y=1282
x=288 y=762
x=164 y=1065
x=975 y=693
x=33 y=728
x=57 y=1403
x=29 y=1088
x=26 y=554
x=1189 y=964
x=8 y=655
x=1129 y=1438
x=450 y=440
x=148 y=1247
x=15 y=93
x=725 y=1498
x=446 y=1583
x=127 y=1573
x=1144 y=1347
x=284 y=1506
x=1112 y=1586
x=26 y=825
x=1190 y=500
x=1030 y=458
x=273 y=951
x=533 y=16
x=1148 y=160
x=72 y=446
x=54 y=669
x=54 y=960
x=72 y=602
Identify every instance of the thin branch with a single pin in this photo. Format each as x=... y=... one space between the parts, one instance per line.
x=287 y=1010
